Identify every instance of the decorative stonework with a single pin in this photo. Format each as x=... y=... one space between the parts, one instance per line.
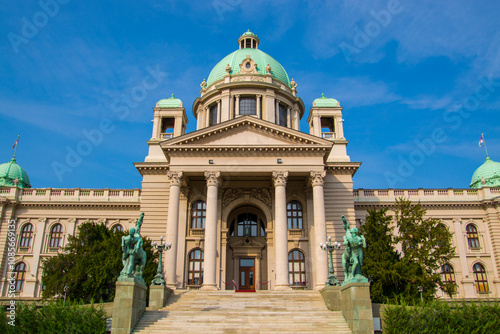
x=213 y=178
x=279 y=178
x=317 y=178
x=72 y=220
x=248 y=66
x=184 y=193
x=175 y=178
x=263 y=195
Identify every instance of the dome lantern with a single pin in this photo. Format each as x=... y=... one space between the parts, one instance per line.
x=248 y=41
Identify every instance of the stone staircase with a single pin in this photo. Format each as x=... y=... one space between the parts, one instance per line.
x=243 y=312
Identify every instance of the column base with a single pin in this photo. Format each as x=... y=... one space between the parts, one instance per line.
x=209 y=287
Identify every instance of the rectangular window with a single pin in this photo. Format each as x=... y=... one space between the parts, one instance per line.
x=212 y=120
x=248 y=106
x=283 y=115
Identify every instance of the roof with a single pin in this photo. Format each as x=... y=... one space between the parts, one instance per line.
x=325 y=102
x=487 y=175
x=12 y=175
x=171 y=102
x=260 y=58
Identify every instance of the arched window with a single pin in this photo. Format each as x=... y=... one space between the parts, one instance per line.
x=480 y=278
x=448 y=277
x=117 y=228
x=26 y=236
x=195 y=267
x=198 y=214
x=19 y=274
x=247 y=225
x=472 y=236
x=56 y=236
x=296 y=268
x=294 y=215
x=248 y=106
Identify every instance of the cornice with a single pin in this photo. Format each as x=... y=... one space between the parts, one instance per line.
x=81 y=205
x=152 y=168
x=348 y=168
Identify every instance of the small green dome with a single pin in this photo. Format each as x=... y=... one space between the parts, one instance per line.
x=325 y=102
x=487 y=175
x=260 y=58
x=172 y=102
x=10 y=171
x=248 y=33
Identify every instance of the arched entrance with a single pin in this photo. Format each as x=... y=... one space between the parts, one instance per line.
x=246 y=264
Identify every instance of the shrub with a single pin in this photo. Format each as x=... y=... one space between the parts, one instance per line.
x=439 y=317
x=55 y=317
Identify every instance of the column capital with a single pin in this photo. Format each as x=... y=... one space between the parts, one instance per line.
x=175 y=178
x=212 y=178
x=317 y=178
x=280 y=178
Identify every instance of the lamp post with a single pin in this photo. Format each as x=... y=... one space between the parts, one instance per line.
x=159 y=279
x=330 y=248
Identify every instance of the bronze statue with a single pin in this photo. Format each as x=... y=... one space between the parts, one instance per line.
x=352 y=259
x=134 y=257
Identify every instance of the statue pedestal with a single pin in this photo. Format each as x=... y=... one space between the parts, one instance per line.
x=158 y=295
x=129 y=305
x=354 y=301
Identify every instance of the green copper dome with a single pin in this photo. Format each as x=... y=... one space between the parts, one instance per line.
x=259 y=57
x=10 y=171
x=487 y=175
x=172 y=102
x=325 y=102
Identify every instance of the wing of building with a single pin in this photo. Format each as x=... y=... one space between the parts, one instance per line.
x=247 y=198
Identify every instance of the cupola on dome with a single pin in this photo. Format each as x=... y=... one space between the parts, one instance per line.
x=171 y=102
x=248 y=43
x=325 y=102
x=487 y=175
x=12 y=175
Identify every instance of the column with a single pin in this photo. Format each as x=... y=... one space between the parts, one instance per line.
x=320 y=256
x=259 y=109
x=210 y=251
x=237 y=106
x=207 y=117
x=172 y=227
x=289 y=117
x=280 y=231
x=277 y=112
x=218 y=112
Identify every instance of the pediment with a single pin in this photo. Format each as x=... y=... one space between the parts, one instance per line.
x=247 y=132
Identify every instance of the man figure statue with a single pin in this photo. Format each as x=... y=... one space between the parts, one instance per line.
x=134 y=257
x=352 y=259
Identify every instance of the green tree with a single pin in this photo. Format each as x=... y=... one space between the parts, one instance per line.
x=394 y=275
x=425 y=241
x=90 y=264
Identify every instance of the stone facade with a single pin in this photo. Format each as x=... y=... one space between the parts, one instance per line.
x=246 y=198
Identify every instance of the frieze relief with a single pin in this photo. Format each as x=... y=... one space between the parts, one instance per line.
x=263 y=195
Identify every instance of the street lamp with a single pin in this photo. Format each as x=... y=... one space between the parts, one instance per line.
x=330 y=248
x=159 y=279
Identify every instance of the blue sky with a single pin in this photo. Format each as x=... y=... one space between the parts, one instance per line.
x=419 y=81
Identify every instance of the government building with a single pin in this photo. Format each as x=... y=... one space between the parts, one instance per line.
x=247 y=198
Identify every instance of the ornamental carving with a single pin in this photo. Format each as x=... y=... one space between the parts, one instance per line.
x=317 y=178
x=279 y=178
x=184 y=193
x=248 y=65
x=175 y=178
x=212 y=178
x=263 y=195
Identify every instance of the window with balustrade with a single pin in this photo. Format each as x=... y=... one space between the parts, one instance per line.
x=56 y=236
x=19 y=275
x=26 y=236
x=294 y=215
x=195 y=267
x=480 y=278
x=198 y=214
x=472 y=236
x=296 y=268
